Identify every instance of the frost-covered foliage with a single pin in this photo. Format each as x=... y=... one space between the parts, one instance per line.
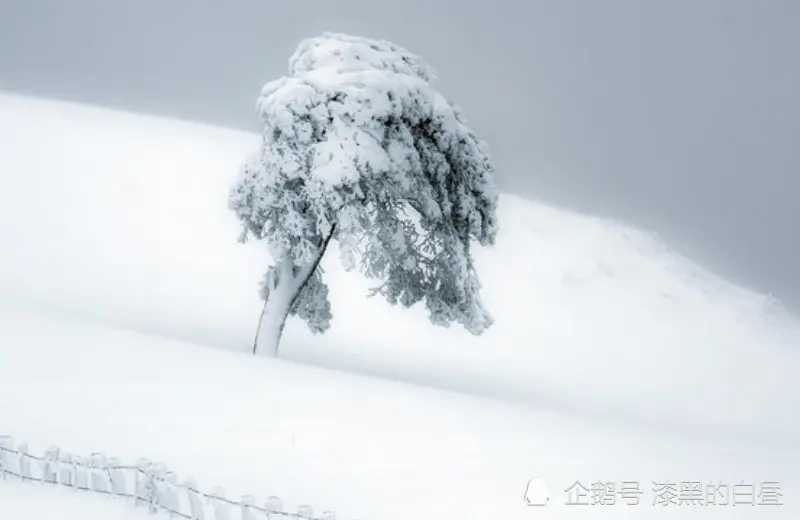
x=358 y=145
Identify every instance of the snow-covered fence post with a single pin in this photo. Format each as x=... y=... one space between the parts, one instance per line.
x=248 y=502
x=66 y=470
x=220 y=504
x=81 y=473
x=142 y=488
x=170 y=498
x=116 y=477
x=274 y=505
x=155 y=474
x=98 y=473
x=24 y=462
x=6 y=445
x=305 y=512
x=196 y=509
x=50 y=465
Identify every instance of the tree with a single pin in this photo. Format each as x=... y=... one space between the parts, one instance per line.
x=358 y=146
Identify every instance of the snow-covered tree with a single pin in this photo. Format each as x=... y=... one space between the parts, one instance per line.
x=358 y=146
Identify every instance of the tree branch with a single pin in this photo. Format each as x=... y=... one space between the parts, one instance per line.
x=314 y=266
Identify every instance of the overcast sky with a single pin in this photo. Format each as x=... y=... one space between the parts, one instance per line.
x=680 y=116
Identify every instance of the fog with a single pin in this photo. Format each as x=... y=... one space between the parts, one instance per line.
x=681 y=117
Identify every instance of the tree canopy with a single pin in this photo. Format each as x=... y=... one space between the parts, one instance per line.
x=359 y=146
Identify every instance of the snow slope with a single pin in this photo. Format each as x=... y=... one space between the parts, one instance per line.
x=122 y=218
x=363 y=447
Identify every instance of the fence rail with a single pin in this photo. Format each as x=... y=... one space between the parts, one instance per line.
x=153 y=485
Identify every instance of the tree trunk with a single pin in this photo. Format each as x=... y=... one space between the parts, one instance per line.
x=290 y=281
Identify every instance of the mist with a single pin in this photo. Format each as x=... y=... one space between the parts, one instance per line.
x=679 y=117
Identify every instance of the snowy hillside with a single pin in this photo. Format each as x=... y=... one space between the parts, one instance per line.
x=613 y=357
x=363 y=447
x=122 y=218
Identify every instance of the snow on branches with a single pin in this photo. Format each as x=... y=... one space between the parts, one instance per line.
x=358 y=144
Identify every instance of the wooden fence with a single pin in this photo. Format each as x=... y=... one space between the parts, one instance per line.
x=145 y=484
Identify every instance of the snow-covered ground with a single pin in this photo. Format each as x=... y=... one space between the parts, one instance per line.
x=363 y=447
x=612 y=357
x=21 y=501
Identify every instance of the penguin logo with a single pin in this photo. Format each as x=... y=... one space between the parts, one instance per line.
x=536 y=492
